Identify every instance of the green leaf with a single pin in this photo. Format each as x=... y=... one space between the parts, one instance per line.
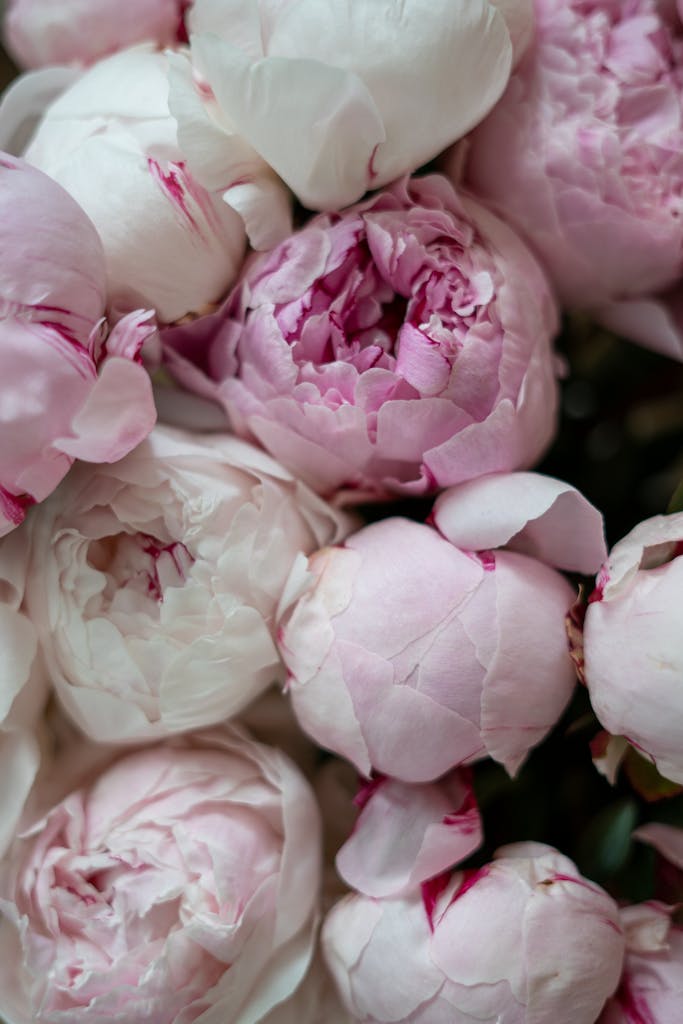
x=606 y=842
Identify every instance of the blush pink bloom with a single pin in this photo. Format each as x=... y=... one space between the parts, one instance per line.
x=406 y=835
x=23 y=687
x=651 y=988
x=523 y=940
x=178 y=885
x=584 y=154
x=109 y=139
x=412 y=655
x=336 y=99
x=399 y=347
x=155 y=582
x=69 y=387
x=42 y=32
x=633 y=648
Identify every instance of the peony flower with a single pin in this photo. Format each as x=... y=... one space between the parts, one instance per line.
x=406 y=835
x=651 y=987
x=401 y=346
x=633 y=653
x=524 y=940
x=178 y=885
x=110 y=140
x=584 y=154
x=68 y=389
x=335 y=98
x=42 y=32
x=411 y=655
x=23 y=688
x=156 y=581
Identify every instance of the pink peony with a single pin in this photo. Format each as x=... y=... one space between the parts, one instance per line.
x=335 y=98
x=411 y=655
x=155 y=582
x=406 y=835
x=633 y=651
x=401 y=346
x=42 y=32
x=651 y=988
x=69 y=389
x=178 y=885
x=584 y=154
x=523 y=940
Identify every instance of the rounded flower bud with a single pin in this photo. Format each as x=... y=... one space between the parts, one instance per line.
x=584 y=155
x=110 y=140
x=398 y=347
x=69 y=388
x=335 y=99
x=42 y=32
x=633 y=653
x=413 y=652
x=179 y=884
x=523 y=939
x=155 y=582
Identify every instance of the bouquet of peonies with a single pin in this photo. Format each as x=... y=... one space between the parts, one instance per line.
x=324 y=699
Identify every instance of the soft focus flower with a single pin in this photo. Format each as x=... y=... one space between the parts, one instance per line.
x=156 y=581
x=651 y=988
x=633 y=652
x=584 y=154
x=23 y=688
x=67 y=389
x=179 y=885
x=41 y=32
x=336 y=98
x=524 y=940
x=406 y=835
x=410 y=655
x=401 y=346
x=316 y=1001
x=111 y=142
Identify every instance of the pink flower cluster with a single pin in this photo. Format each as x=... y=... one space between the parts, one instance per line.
x=161 y=858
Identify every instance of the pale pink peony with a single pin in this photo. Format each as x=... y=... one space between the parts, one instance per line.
x=109 y=139
x=406 y=834
x=651 y=988
x=23 y=687
x=156 y=582
x=69 y=388
x=178 y=885
x=335 y=98
x=584 y=154
x=42 y=32
x=401 y=346
x=523 y=940
x=633 y=652
x=410 y=655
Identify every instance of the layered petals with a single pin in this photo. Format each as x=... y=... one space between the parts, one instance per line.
x=338 y=99
x=71 y=387
x=523 y=940
x=632 y=649
x=401 y=346
x=111 y=142
x=411 y=656
x=156 y=582
x=584 y=154
x=178 y=884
